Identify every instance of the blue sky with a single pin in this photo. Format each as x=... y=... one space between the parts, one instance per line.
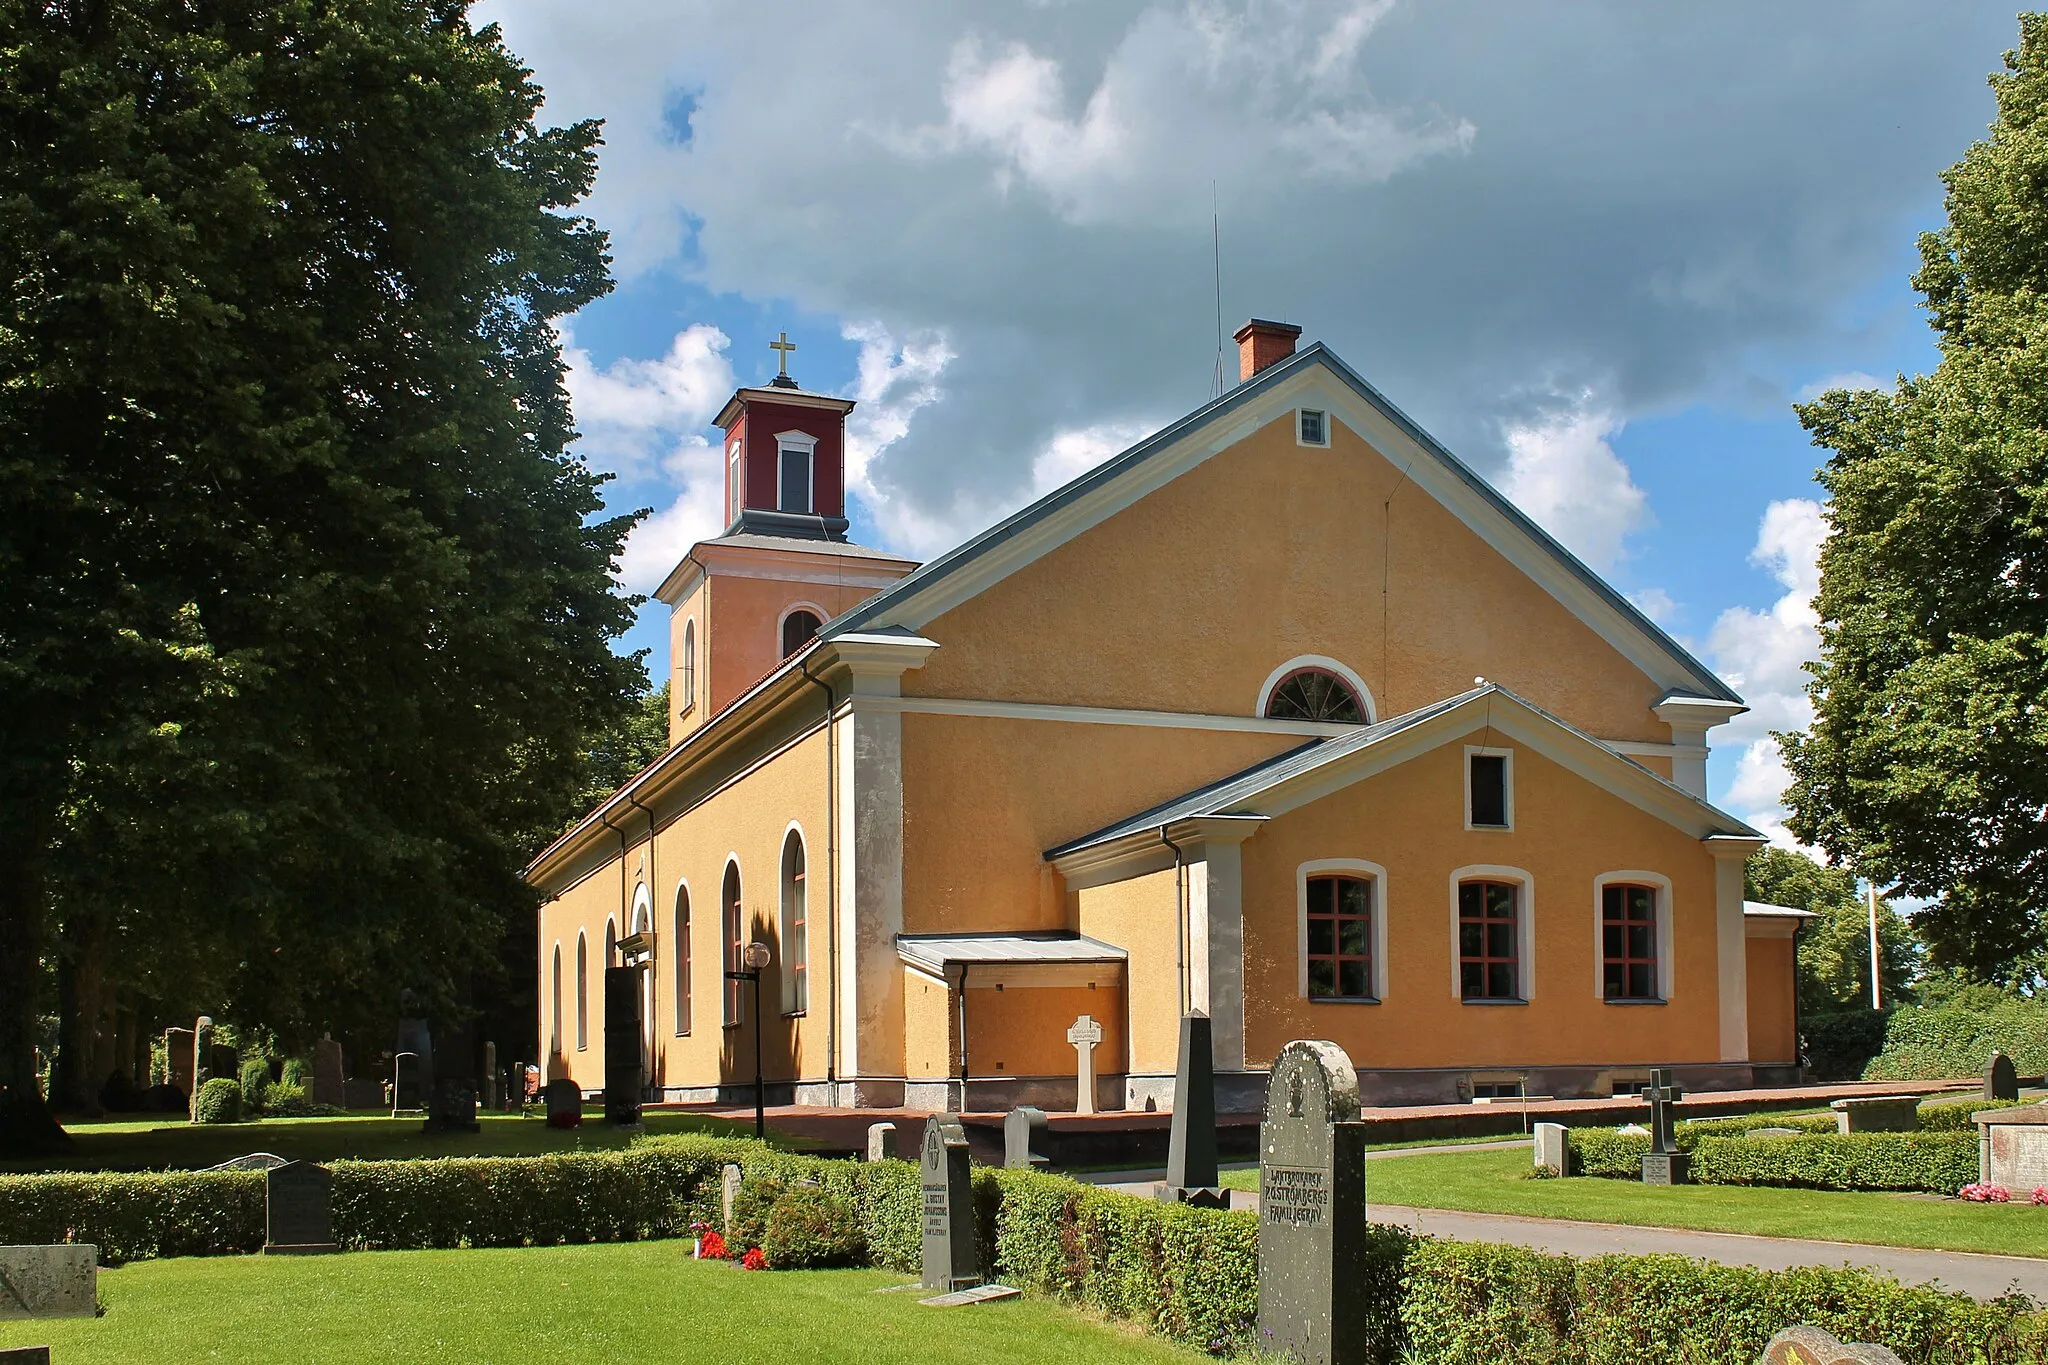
x=1597 y=247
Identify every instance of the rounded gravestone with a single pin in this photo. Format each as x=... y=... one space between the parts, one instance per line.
x=1812 y=1346
x=1312 y=1208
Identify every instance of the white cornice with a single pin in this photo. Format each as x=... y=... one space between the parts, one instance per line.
x=1700 y=714
x=790 y=566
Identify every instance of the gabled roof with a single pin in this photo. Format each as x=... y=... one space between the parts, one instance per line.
x=1604 y=609
x=936 y=952
x=1309 y=772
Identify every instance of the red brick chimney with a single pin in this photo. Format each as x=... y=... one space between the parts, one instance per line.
x=1261 y=343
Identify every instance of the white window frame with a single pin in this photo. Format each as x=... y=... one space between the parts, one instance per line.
x=1525 y=930
x=1357 y=867
x=689 y=669
x=802 y=443
x=1662 y=884
x=1507 y=778
x=791 y=1005
x=1325 y=662
x=1300 y=416
x=735 y=479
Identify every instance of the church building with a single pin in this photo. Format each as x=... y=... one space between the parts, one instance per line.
x=1282 y=715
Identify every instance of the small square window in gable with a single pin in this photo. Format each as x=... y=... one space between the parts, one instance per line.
x=1489 y=790
x=1313 y=427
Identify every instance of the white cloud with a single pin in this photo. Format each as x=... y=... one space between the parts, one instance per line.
x=1763 y=654
x=1070 y=454
x=630 y=411
x=1846 y=379
x=1656 y=604
x=1565 y=475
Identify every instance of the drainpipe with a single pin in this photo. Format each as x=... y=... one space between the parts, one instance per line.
x=1180 y=935
x=831 y=888
x=961 y=1010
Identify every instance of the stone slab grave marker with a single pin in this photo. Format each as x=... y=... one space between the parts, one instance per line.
x=254 y=1161
x=962 y=1298
x=565 y=1103
x=1774 y=1132
x=24 y=1355
x=1553 y=1149
x=1191 y=1144
x=1664 y=1164
x=2012 y=1147
x=490 y=1077
x=730 y=1178
x=1877 y=1114
x=405 y=1083
x=1022 y=1128
x=451 y=1108
x=947 y=1185
x=1312 y=1208
x=202 y=1058
x=59 y=1281
x=2001 y=1078
x=298 y=1210
x=178 y=1060
x=330 y=1077
x=1812 y=1346
x=881 y=1137
x=1084 y=1035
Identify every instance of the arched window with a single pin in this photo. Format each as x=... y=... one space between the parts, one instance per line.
x=611 y=944
x=555 y=1012
x=799 y=628
x=582 y=992
x=1315 y=694
x=682 y=956
x=796 y=985
x=733 y=931
x=687 y=679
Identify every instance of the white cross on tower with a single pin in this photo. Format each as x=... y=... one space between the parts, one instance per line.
x=1084 y=1035
x=783 y=346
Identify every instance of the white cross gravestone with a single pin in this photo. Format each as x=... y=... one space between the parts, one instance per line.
x=1084 y=1035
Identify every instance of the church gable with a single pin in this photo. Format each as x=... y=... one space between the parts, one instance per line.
x=1187 y=574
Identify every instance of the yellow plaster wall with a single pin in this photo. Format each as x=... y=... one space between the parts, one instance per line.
x=585 y=906
x=984 y=797
x=928 y=1022
x=686 y=714
x=1409 y=820
x=746 y=624
x=1022 y=1030
x=1773 y=1035
x=748 y=819
x=1138 y=916
x=1186 y=600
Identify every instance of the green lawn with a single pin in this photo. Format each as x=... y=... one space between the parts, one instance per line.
x=644 y=1301
x=165 y=1144
x=1496 y=1182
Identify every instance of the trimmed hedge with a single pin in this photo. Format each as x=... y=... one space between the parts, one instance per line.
x=1957 y=1037
x=1953 y=1116
x=1938 y=1163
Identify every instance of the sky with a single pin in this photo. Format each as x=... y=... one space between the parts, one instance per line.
x=1599 y=248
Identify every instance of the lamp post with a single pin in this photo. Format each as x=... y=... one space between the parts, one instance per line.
x=754 y=958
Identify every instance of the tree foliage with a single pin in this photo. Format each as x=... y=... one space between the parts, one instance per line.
x=1834 y=950
x=305 y=610
x=1927 y=763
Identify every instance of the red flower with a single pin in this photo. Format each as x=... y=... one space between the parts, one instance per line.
x=753 y=1260
x=711 y=1246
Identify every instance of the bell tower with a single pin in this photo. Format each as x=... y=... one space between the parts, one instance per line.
x=785 y=458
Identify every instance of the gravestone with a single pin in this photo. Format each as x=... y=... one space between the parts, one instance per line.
x=1812 y=1346
x=1191 y=1146
x=565 y=1103
x=1664 y=1164
x=202 y=1057
x=1084 y=1035
x=1553 y=1149
x=2012 y=1147
x=2001 y=1078
x=417 y=1037
x=622 y=1069
x=1877 y=1114
x=24 y=1355
x=59 y=1281
x=330 y=1076
x=490 y=1099
x=1774 y=1132
x=227 y=1061
x=730 y=1178
x=298 y=1210
x=178 y=1060
x=947 y=1184
x=254 y=1161
x=1021 y=1129
x=881 y=1137
x=452 y=1109
x=405 y=1084
x=1312 y=1208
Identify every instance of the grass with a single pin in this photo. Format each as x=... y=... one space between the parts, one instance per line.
x=167 y=1144
x=636 y=1302
x=1496 y=1182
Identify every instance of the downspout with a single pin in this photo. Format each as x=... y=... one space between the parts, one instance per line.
x=1180 y=936
x=831 y=888
x=961 y=1014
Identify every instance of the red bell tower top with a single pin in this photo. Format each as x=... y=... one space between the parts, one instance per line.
x=785 y=459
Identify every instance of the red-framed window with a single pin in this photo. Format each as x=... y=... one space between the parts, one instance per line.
x=1628 y=941
x=1489 y=941
x=1340 y=910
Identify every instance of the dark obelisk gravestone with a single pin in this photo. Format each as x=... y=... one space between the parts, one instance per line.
x=298 y=1203
x=1312 y=1209
x=949 y=1256
x=2001 y=1078
x=452 y=1108
x=1663 y=1164
x=1021 y=1129
x=622 y=1069
x=1191 y=1144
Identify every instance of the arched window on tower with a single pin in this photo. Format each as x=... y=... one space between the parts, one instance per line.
x=796 y=985
x=731 y=931
x=682 y=957
x=799 y=628
x=687 y=682
x=1315 y=694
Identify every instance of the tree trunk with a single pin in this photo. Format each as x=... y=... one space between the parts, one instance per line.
x=26 y=1124
x=77 y=1074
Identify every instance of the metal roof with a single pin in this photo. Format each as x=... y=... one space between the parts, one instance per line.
x=1317 y=353
x=936 y=952
x=1763 y=911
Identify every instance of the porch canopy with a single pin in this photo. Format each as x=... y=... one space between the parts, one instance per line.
x=935 y=953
